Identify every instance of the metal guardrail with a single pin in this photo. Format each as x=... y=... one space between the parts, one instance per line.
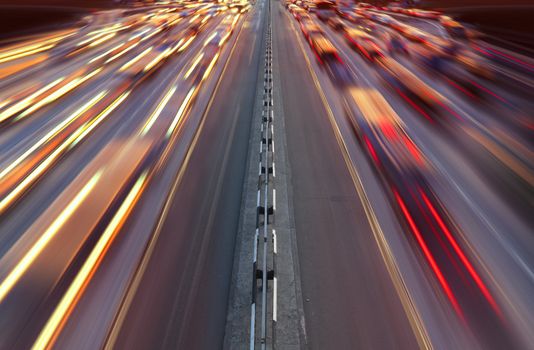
x=263 y=249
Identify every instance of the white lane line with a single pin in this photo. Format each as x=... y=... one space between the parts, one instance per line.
x=275 y=298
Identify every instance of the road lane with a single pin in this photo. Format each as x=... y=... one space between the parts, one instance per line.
x=194 y=299
x=366 y=77
x=130 y=120
x=347 y=290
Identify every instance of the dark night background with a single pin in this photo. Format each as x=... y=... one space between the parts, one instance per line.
x=509 y=22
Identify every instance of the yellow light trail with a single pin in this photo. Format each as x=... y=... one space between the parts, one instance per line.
x=113 y=28
x=224 y=38
x=19 y=106
x=9 y=282
x=88 y=127
x=235 y=20
x=19 y=52
x=180 y=112
x=209 y=38
x=58 y=93
x=178 y=44
x=86 y=41
x=60 y=315
x=156 y=60
x=121 y=53
x=134 y=60
x=105 y=53
x=205 y=19
x=156 y=31
x=152 y=119
x=210 y=67
x=193 y=66
x=4 y=103
x=141 y=33
x=51 y=134
x=101 y=40
x=194 y=18
x=26 y=53
x=71 y=141
x=186 y=44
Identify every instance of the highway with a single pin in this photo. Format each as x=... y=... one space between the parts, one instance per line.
x=148 y=95
x=375 y=270
x=124 y=152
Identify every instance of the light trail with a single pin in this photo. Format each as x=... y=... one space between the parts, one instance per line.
x=463 y=258
x=157 y=60
x=69 y=300
x=128 y=49
x=180 y=112
x=101 y=40
x=19 y=106
x=88 y=127
x=70 y=142
x=187 y=43
x=40 y=46
x=73 y=84
x=26 y=53
x=51 y=134
x=134 y=60
x=18 y=271
x=152 y=119
x=430 y=258
x=193 y=66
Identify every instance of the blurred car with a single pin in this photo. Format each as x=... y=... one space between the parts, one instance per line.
x=445 y=47
x=336 y=23
x=310 y=6
x=364 y=43
x=364 y=5
x=454 y=28
x=381 y=18
x=431 y=57
x=309 y=27
x=291 y=7
x=197 y=24
x=437 y=60
x=475 y=64
x=328 y=56
x=426 y=14
x=344 y=11
x=304 y=16
x=412 y=88
x=322 y=47
x=299 y=13
x=396 y=9
x=325 y=10
x=367 y=25
x=186 y=13
x=362 y=12
x=396 y=44
x=353 y=17
x=206 y=60
x=414 y=34
x=405 y=172
x=382 y=134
